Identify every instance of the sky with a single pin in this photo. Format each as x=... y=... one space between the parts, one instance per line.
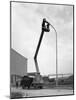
x=26 y=29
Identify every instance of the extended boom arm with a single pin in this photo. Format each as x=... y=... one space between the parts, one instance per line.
x=45 y=28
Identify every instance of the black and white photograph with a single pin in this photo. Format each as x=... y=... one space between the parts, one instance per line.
x=41 y=49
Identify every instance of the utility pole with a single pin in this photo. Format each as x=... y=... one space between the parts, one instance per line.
x=56 y=55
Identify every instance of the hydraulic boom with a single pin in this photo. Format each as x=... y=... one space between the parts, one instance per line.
x=45 y=28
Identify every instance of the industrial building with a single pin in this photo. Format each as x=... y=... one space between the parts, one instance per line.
x=18 y=66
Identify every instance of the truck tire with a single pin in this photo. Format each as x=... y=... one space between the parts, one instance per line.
x=23 y=87
x=40 y=87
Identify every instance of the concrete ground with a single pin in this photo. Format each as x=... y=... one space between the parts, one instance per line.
x=18 y=92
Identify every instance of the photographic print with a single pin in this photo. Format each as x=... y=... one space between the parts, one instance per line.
x=41 y=49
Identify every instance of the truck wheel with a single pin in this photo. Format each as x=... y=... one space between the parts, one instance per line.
x=28 y=87
x=40 y=87
x=23 y=87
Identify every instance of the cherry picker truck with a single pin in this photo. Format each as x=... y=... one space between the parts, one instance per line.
x=37 y=81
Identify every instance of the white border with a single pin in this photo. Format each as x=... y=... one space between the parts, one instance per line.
x=5 y=49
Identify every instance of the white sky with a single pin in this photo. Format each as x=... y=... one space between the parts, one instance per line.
x=26 y=30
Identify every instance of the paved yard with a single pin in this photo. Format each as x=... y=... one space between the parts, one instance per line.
x=40 y=92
